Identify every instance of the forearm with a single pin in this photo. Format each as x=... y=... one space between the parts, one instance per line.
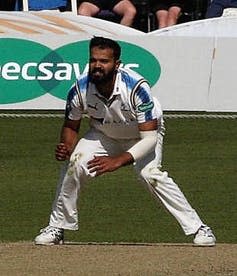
x=145 y=145
x=69 y=137
x=137 y=151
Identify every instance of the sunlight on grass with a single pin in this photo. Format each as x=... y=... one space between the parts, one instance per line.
x=200 y=154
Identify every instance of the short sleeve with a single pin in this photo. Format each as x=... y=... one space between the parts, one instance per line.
x=144 y=104
x=74 y=108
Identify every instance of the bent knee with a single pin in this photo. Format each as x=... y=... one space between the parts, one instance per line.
x=78 y=165
x=76 y=157
x=148 y=172
x=153 y=174
x=76 y=162
x=130 y=12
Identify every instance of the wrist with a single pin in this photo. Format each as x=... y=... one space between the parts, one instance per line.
x=125 y=159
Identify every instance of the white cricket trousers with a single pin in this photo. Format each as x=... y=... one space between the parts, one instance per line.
x=75 y=173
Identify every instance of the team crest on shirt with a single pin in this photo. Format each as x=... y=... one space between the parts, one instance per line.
x=145 y=107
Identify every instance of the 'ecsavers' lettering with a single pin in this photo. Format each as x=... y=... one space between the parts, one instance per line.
x=42 y=71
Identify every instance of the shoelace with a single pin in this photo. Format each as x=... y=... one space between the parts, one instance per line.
x=50 y=229
x=206 y=230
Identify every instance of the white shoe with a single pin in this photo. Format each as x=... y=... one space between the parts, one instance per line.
x=49 y=236
x=204 y=237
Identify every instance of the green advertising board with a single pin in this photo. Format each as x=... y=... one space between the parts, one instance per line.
x=29 y=69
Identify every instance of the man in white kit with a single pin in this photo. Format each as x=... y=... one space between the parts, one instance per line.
x=126 y=127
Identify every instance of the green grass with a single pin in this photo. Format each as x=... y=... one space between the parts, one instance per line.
x=200 y=154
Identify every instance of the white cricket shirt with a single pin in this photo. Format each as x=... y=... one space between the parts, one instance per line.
x=117 y=117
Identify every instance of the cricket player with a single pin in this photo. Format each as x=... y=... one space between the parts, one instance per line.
x=126 y=127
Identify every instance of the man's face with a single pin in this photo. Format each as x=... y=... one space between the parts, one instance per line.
x=102 y=65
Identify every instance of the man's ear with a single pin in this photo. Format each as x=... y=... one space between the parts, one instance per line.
x=118 y=62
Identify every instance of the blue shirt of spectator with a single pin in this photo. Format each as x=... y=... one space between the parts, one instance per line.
x=46 y=4
x=216 y=7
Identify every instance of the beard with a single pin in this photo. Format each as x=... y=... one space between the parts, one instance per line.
x=98 y=75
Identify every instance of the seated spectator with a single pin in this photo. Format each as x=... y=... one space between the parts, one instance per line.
x=124 y=8
x=167 y=11
x=7 y=5
x=216 y=7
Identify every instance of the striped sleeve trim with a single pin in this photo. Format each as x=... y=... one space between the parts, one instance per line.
x=79 y=96
x=134 y=90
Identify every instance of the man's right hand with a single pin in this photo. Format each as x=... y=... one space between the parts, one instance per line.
x=61 y=152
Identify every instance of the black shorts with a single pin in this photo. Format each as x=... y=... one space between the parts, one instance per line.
x=157 y=5
x=103 y=4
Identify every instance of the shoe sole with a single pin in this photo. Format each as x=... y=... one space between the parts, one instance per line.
x=61 y=242
x=204 y=245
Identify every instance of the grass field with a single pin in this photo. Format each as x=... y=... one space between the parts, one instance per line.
x=200 y=154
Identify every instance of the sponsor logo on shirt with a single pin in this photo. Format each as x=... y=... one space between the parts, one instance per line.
x=146 y=107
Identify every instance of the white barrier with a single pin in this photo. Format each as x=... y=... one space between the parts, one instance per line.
x=206 y=51
x=190 y=66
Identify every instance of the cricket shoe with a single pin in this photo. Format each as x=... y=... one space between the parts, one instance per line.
x=50 y=236
x=204 y=237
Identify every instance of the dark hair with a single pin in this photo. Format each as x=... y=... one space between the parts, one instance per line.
x=103 y=43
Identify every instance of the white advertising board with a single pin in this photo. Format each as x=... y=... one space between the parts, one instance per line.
x=42 y=53
x=223 y=86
